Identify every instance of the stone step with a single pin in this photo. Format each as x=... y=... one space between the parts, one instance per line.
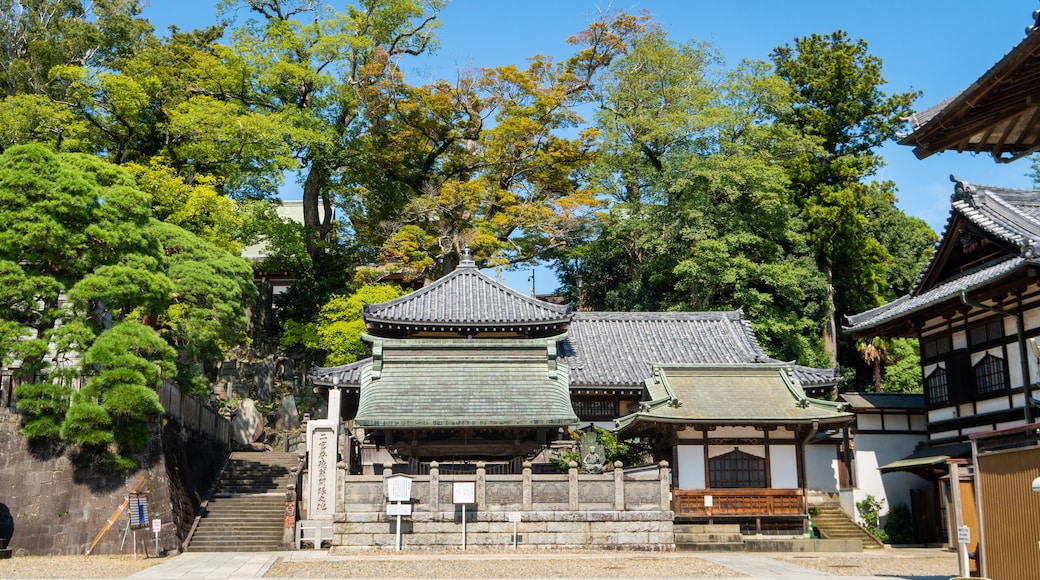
x=712 y=547
x=685 y=538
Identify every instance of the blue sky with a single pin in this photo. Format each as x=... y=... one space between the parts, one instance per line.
x=938 y=47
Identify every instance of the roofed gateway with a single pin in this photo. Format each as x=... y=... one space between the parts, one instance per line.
x=467 y=374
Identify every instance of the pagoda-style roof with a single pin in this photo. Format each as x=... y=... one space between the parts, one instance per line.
x=460 y=383
x=466 y=301
x=990 y=239
x=998 y=114
x=734 y=394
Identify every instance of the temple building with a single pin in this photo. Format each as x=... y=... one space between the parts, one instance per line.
x=467 y=372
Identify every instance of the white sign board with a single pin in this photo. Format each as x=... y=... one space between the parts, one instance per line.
x=464 y=492
x=399 y=488
x=963 y=535
x=709 y=501
x=156 y=526
x=514 y=516
x=398 y=509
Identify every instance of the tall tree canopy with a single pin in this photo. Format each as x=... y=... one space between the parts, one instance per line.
x=81 y=257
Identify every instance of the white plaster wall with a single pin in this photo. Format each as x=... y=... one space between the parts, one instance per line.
x=691 y=466
x=1032 y=318
x=918 y=423
x=821 y=468
x=864 y=421
x=960 y=340
x=783 y=466
x=873 y=451
x=1014 y=362
x=993 y=405
x=942 y=414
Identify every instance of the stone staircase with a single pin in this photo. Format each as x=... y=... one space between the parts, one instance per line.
x=247 y=510
x=709 y=538
x=832 y=523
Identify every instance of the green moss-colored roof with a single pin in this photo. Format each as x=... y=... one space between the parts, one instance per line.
x=740 y=394
x=438 y=383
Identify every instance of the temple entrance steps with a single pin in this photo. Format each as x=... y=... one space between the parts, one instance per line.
x=247 y=510
x=709 y=537
x=832 y=523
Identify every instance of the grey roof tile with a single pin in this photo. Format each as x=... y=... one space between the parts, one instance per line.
x=619 y=349
x=467 y=297
x=883 y=400
x=1009 y=215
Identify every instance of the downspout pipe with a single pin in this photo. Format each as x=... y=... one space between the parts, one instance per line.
x=805 y=483
x=1023 y=352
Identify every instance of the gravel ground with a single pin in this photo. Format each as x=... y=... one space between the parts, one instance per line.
x=889 y=562
x=99 y=566
x=499 y=565
x=907 y=562
x=492 y=564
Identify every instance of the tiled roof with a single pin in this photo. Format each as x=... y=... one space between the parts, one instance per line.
x=735 y=394
x=349 y=374
x=424 y=383
x=996 y=114
x=883 y=400
x=466 y=297
x=1012 y=215
x=1009 y=215
x=972 y=279
x=619 y=349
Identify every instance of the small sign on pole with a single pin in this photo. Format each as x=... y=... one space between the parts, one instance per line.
x=156 y=528
x=464 y=492
x=515 y=518
x=399 y=494
x=964 y=535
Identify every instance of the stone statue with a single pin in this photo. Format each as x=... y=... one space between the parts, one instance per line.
x=591 y=449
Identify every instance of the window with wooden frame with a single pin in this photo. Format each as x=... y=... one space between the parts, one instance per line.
x=990 y=376
x=987 y=333
x=596 y=408
x=936 y=387
x=934 y=348
x=736 y=469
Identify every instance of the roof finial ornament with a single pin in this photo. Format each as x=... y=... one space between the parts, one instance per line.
x=962 y=190
x=1035 y=24
x=466 y=260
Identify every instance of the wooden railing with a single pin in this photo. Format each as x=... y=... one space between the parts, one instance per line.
x=737 y=502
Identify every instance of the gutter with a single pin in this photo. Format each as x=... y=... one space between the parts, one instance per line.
x=1022 y=350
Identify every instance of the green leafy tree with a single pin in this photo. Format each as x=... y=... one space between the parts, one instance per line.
x=838 y=100
x=340 y=324
x=701 y=219
x=109 y=417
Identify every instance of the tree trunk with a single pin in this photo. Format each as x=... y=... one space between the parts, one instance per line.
x=830 y=328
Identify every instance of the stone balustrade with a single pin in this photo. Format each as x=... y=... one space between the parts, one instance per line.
x=627 y=509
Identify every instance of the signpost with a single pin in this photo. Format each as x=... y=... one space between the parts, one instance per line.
x=156 y=526
x=138 y=515
x=515 y=518
x=464 y=492
x=399 y=494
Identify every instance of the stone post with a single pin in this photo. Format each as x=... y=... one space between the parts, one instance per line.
x=435 y=487
x=481 y=486
x=619 y=487
x=528 y=495
x=666 y=485
x=572 y=487
x=289 y=528
x=341 y=489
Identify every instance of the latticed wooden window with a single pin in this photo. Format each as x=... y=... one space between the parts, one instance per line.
x=936 y=387
x=596 y=408
x=989 y=375
x=736 y=469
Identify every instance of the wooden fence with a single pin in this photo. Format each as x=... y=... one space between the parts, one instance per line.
x=194 y=413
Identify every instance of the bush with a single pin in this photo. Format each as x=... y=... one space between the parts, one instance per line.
x=870 y=511
x=899 y=525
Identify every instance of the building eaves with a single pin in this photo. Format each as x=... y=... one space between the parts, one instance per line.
x=950 y=289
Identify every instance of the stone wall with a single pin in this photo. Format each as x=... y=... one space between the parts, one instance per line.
x=57 y=507
x=614 y=510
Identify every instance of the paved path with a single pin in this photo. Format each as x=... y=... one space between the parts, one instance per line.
x=212 y=565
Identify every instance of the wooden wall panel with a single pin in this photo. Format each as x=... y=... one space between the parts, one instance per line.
x=1010 y=514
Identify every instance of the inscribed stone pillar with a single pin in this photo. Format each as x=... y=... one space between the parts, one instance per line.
x=322 y=455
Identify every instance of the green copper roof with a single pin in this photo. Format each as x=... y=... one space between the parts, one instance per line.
x=739 y=394
x=424 y=383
